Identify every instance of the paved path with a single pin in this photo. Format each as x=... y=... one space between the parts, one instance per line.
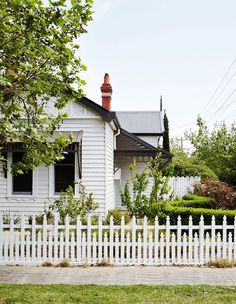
x=117 y=275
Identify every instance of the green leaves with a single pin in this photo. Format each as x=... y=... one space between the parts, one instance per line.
x=38 y=62
x=134 y=196
x=216 y=149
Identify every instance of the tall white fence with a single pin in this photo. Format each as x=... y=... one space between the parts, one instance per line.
x=183 y=185
x=131 y=244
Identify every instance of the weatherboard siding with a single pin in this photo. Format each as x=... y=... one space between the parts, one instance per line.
x=97 y=166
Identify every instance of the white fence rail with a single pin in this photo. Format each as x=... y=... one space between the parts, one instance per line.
x=132 y=244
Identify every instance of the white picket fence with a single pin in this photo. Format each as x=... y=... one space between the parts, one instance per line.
x=132 y=244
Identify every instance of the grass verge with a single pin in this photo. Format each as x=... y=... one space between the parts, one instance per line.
x=59 y=294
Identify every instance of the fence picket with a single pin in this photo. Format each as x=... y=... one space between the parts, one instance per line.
x=33 y=234
x=67 y=236
x=230 y=256
x=72 y=246
x=11 y=237
x=78 y=240
x=39 y=247
x=100 y=239
x=207 y=248
x=45 y=236
x=224 y=240
x=111 y=249
x=195 y=249
x=190 y=240
x=162 y=249
x=127 y=248
x=145 y=231
x=201 y=240
x=167 y=240
x=213 y=236
x=235 y=238
x=218 y=246
x=116 y=248
x=184 y=248
x=139 y=249
x=173 y=252
x=22 y=238
x=89 y=240
x=94 y=258
x=156 y=243
x=122 y=240
x=150 y=249
x=55 y=237
x=179 y=240
x=133 y=227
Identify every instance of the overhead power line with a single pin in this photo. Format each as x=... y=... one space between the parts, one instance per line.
x=227 y=99
x=211 y=100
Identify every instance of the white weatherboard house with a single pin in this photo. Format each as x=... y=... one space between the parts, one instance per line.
x=105 y=144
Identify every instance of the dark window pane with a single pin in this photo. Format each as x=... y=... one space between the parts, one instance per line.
x=65 y=173
x=22 y=183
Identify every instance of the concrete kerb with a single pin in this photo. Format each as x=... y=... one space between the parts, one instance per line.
x=114 y=275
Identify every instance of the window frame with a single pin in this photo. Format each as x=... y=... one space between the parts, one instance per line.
x=77 y=174
x=10 y=180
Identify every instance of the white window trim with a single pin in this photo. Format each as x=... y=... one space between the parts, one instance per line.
x=10 y=181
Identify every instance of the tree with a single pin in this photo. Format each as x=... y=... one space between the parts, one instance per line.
x=38 y=64
x=166 y=141
x=184 y=164
x=217 y=149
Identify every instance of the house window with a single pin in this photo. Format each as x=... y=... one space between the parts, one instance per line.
x=64 y=172
x=21 y=183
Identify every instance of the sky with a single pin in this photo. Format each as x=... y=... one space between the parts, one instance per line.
x=184 y=50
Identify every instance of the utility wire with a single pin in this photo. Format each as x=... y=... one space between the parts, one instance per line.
x=209 y=102
x=227 y=99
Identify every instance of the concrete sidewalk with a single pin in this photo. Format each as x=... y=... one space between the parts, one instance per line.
x=117 y=275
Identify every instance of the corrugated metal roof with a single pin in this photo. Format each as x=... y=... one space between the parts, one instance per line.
x=141 y=122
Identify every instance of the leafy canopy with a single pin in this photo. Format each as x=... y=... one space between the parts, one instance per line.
x=217 y=149
x=38 y=63
x=184 y=164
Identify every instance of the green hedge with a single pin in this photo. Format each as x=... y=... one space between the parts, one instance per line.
x=162 y=210
x=194 y=201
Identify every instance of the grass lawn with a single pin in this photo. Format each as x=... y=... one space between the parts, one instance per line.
x=115 y=294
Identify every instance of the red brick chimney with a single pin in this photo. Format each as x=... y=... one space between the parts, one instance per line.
x=106 y=90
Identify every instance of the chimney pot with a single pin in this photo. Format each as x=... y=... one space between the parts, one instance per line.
x=106 y=90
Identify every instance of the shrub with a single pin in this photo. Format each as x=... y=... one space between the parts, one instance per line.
x=135 y=197
x=117 y=214
x=66 y=204
x=222 y=263
x=163 y=209
x=195 y=201
x=220 y=192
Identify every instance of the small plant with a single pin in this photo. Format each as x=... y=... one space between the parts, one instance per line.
x=117 y=214
x=104 y=262
x=67 y=204
x=222 y=263
x=64 y=263
x=6 y=216
x=47 y=264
